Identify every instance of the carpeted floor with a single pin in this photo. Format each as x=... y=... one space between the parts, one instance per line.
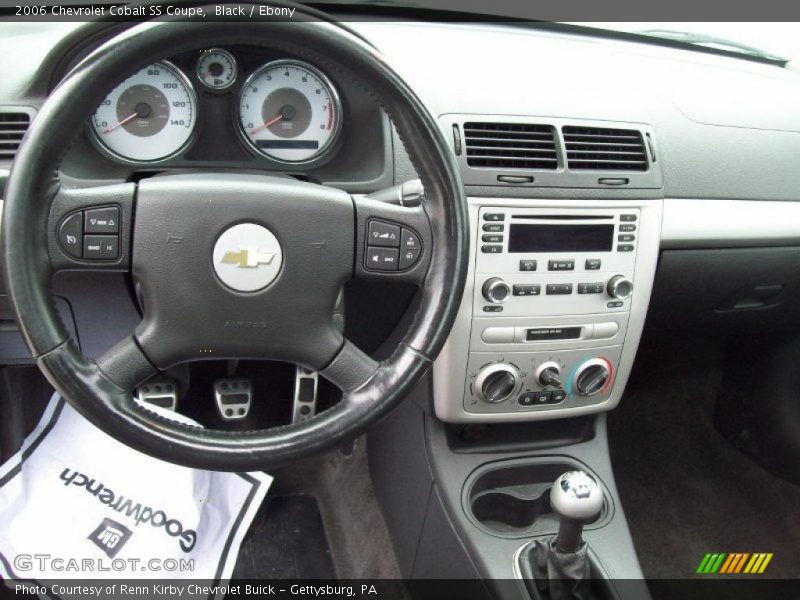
x=686 y=491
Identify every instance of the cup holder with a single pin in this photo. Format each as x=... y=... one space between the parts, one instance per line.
x=512 y=499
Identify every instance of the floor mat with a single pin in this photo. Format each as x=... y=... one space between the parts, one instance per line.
x=685 y=490
x=286 y=541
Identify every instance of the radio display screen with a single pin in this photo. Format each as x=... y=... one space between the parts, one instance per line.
x=560 y=238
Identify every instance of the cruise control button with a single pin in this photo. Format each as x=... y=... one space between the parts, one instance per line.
x=408 y=257
x=383 y=234
x=382 y=259
x=559 y=289
x=102 y=220
x=70 y=234
x=561 y=265
x=100 y=247
x=527 y=265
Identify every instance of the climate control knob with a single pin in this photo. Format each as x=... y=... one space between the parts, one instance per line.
x=592 y=376
x=497 y=382
x=549 y=374
x=496 y=290
x=620 y=287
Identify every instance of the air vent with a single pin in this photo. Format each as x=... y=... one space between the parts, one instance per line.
x=510 y=145
x=13 y=126
x=605 y=149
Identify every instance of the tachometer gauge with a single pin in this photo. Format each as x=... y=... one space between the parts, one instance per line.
x=216 y=68
x=149 y=117
x=289 y=111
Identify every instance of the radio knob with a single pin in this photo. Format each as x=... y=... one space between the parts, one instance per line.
x=496 y=290
x=549 y=374
x=620 y=287
x=591 y=377
x=497 y=382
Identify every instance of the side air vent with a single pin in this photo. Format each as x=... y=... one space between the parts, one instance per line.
x=510 y=145
x=604 y=149
x=13 y=126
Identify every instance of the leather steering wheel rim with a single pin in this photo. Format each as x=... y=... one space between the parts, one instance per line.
x=370 y=389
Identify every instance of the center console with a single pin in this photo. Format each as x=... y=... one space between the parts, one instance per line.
x=553 y=310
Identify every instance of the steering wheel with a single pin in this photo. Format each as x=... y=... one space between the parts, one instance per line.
x=305 y=240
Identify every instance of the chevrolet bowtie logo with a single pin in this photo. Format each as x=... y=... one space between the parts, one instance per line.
x=247 y=258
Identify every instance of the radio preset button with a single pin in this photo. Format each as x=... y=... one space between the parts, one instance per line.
x=494 y=216
x=627 y=227
x=487 y=249
x=527 y=265
x=591 y=288
x=626 y=237
x=525 y=289
x=561 y=265
x=496 y=227
x=625 y=248
x=627 y=218
x=492 y=238
x=559 y=289
x=593 y=264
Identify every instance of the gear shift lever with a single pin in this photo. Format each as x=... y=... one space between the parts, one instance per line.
x=576 y=499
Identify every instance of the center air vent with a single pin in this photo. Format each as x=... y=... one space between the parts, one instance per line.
x=604 y=149
x=13 y=126
x=510 y=145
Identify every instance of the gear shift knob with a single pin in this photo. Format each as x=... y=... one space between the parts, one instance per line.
x=577 y=499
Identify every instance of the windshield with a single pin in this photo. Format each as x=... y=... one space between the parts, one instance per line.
x=775 y=41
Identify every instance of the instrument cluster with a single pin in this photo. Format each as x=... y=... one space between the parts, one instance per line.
x=284 y=110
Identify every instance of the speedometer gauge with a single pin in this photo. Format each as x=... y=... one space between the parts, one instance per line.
x=289 y=111
x=148 y=117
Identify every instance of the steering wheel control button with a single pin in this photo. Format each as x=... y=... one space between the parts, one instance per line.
x=558 y=289
x=527 y=265
x=410 y=248
x=384 y=234
x=561 y=265
x=102 y=220
x=70 y=235
x=233 y=398
x=100 y=247
x=247 y=257
x=382 y=259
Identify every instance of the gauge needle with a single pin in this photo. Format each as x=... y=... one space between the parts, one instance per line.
x=108 y=130
x=272 y=121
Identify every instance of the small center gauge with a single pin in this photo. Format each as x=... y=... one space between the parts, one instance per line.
x=216 y=68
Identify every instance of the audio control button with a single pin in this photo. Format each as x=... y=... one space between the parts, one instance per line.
x=559 y=289
x=625 y=248
x=383 y=234
x=492 y=238
x=533 y=289
x=628 y=227
x=593 y=264
x=493 y=227
x=626 y=237
x=591 y=288
x=527 y=265
x=627 y=218
x=561 y=265
x=494 y=216
x=487 y=249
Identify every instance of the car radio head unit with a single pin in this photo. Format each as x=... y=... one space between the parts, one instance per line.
x=526 y=237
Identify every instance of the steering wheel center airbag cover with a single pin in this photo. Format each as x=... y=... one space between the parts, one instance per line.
x=247 y=257
x=192 y=232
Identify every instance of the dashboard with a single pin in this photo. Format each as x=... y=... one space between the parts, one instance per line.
x=550 y=321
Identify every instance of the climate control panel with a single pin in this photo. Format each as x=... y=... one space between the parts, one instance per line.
x=524 y=381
